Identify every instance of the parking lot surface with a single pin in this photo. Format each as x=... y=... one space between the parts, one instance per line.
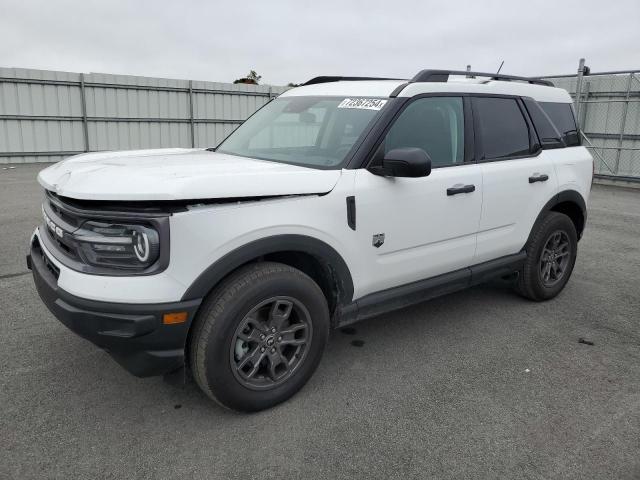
x=478 y=384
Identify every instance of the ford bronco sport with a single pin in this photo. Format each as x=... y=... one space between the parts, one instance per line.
x=339 y=200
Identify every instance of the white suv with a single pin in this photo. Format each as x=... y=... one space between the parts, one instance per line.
x=339 y=200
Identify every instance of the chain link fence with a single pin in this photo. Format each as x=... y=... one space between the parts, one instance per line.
x=607 y=106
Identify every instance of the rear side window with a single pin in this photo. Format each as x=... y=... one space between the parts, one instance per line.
x=502 y=127
x=561 y=114
x=547 y=132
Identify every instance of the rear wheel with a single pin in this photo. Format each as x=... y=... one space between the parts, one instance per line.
x=551 y=256
x=259 y=336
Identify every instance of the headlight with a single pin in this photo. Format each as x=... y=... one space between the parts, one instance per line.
x=125 y=246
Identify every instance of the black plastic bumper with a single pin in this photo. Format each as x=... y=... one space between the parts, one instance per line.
x=133 y=334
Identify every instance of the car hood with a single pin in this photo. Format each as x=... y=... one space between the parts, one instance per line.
x=179 y=174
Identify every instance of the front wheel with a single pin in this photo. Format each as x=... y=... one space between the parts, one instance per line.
x=551 y=255
x=259 y=336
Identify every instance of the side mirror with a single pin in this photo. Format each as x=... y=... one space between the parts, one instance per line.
x=404 y=162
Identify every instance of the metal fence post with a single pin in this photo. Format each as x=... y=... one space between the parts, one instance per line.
x=193 y=134
x=83 y=102
x=587 y=89
x=579 y=89
x=623 y=124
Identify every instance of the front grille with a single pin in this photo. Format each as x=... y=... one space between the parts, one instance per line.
x=66 y=247
x=65 y=222
x=63 y=214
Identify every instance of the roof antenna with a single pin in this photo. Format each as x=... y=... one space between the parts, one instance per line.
x=500 y=68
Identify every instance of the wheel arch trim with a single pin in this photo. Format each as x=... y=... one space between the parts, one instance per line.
x=229 y=262
x=565 y=196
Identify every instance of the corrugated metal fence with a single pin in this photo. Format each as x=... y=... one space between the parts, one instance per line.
x=46 y=116
x=608 y=110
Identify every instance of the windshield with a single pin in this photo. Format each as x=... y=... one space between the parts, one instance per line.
x=309 y=131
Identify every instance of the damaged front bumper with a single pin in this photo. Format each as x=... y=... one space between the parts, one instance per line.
x=133 y=334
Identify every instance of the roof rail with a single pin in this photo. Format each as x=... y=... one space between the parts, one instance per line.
x=327 y=79
x=443 y=76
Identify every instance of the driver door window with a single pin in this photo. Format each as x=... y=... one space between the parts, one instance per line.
x=434 y=124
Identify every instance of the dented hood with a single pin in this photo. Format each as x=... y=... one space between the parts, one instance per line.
x=179 y=174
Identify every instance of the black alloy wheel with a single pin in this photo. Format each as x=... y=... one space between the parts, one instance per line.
x=271 y=342
x=555 y=257
x=551 y=254
x=259 y=336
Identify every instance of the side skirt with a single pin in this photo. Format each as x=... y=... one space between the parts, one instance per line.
x=403 y=296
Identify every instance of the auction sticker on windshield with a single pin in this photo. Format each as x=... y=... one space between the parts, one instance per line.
x=363 y=103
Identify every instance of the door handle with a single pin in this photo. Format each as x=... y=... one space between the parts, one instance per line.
x=536 y=177
x=455 y=190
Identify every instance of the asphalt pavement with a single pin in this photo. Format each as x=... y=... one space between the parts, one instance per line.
x=478 y=384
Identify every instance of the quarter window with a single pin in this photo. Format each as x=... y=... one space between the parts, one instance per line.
x=547 y=132
x=503 y=129
x=561 y=114
x=436 y=125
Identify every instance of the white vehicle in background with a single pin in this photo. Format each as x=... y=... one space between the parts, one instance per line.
x=339 y=200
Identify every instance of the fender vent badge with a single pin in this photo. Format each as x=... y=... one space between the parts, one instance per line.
x=378 y=240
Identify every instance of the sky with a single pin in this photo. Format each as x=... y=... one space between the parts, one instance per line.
x=294 y=40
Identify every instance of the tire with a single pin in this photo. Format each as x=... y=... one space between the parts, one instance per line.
x=233 y=333
x=539 y=279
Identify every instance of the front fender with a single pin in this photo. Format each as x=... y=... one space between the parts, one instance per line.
x=212 y=275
